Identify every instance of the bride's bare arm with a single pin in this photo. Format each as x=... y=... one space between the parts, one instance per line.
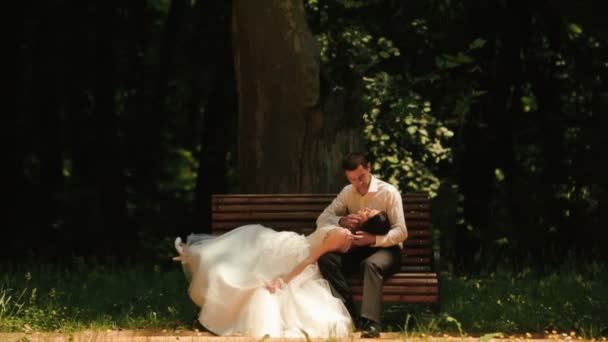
x=337 y=239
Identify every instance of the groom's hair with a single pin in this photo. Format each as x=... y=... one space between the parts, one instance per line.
x=353 y=160
x=377 y=224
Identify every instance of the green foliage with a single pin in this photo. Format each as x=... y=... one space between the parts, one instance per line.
x=407 y=141
x=505 y=115
x=181 y=170
x=401 y=132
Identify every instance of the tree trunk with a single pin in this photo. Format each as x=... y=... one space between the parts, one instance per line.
x=287 y=143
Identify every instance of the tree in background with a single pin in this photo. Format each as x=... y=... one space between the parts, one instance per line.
x=289 y=140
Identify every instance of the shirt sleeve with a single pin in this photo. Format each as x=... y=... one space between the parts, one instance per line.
x=398 y=232
x=334 y=211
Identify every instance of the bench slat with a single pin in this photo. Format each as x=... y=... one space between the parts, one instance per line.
x=412 y=282
x=415 y=224
x=288 y=215
x=310 y=198
x=407 y=268
x=313 y=207
x=392 y=281
x=289 y=206
x=305 y=229
x=405 y=298
x=254 y=196
x=252 y=216
x=403 y=290
x=288 y=224
x=418 y=233
x=295 y=225
x=416 y=242
x=418 y=251
x=415 y=261
x=415 y=275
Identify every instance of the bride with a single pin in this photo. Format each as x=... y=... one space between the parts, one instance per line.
x=255 y=281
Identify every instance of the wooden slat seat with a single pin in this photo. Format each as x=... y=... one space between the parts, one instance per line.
x=416 y=282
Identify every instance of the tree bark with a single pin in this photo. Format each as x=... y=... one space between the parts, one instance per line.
x=288 y=144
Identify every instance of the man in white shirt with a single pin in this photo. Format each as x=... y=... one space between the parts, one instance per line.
x=375 y=256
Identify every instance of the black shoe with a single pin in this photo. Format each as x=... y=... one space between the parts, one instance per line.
x=371 y=329
x=360 y=323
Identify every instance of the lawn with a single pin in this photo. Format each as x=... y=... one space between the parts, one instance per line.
x=85 y=296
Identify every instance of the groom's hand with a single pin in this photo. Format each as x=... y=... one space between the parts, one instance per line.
x=351 y=221
x=362 y=238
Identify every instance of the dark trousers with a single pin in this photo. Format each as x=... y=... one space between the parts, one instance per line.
x=374 y=264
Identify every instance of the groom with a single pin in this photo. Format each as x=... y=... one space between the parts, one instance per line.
x=374 y=256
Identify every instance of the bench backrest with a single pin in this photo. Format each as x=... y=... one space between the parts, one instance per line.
x=299 y=212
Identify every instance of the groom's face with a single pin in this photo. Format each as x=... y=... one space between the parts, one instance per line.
x=360 y=178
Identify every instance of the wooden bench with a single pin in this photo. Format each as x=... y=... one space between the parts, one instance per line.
x=417 y=281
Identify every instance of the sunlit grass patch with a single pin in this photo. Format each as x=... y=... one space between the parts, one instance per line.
x=87 y=297
x=562 y=301
x=51 y=298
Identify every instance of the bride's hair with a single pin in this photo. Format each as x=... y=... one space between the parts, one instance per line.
x=377 y=224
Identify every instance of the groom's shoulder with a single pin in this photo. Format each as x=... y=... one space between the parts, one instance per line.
x=386 y=186
x=347 y=188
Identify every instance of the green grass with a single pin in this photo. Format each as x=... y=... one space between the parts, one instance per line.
x=51 y=298
x=564 y=301
x=48 y=298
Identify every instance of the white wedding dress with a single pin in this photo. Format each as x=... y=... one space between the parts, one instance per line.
x=228 y=276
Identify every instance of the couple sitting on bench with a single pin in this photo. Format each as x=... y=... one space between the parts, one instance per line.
x=255 y=281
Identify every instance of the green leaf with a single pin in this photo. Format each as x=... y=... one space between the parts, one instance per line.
x=575 y=29
x=392 y=159
x=477 y=44
x=500 y=176
x=461 y=58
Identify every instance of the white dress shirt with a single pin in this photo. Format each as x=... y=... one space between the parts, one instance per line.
x=381 y=196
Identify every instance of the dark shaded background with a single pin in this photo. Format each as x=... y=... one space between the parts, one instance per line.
x=122 y=119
